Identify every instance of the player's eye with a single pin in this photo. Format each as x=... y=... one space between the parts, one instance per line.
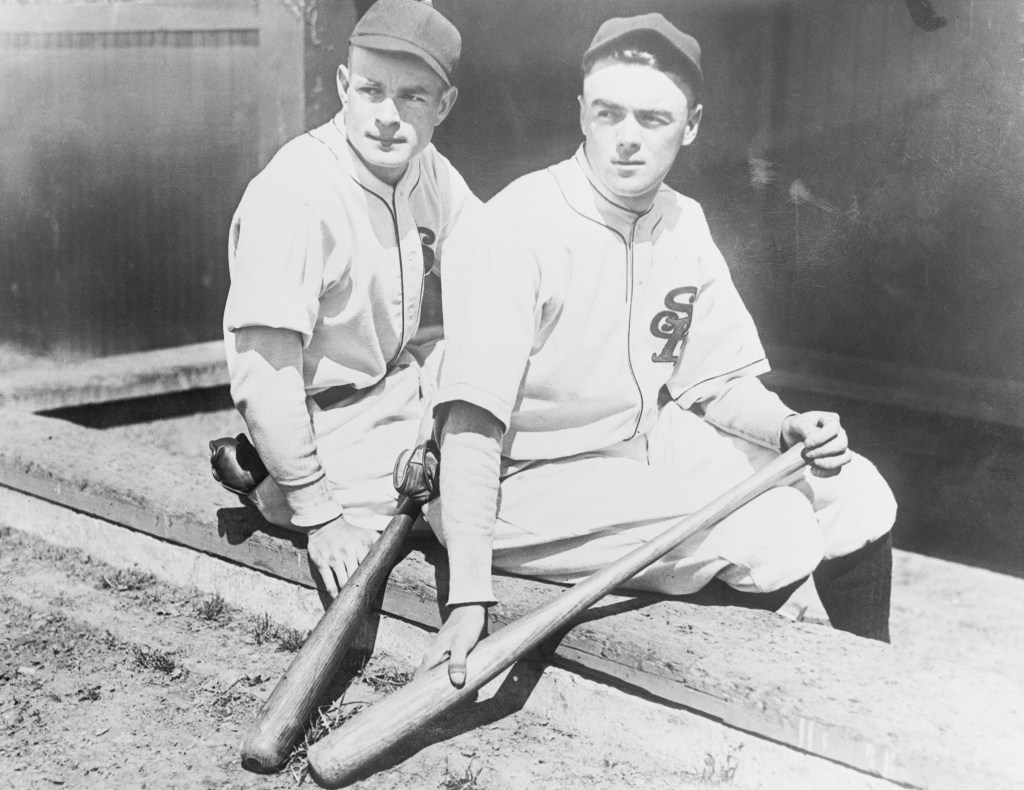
x=652 y=120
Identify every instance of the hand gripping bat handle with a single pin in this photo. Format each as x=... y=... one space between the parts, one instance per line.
x=282 y=719
x=373 y=732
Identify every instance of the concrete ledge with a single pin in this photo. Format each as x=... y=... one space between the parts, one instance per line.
x=858 y=703
x=159 y=372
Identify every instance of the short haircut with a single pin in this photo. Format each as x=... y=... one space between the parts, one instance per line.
x=644 y=49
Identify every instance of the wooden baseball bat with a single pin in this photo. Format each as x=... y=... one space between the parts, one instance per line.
x=282 y=719
x=373 y=732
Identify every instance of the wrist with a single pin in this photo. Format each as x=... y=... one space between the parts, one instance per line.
x=787 y=436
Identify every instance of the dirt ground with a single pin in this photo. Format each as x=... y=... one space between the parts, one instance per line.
x=109 y=678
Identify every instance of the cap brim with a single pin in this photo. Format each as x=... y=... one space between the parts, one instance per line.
x=390 y=44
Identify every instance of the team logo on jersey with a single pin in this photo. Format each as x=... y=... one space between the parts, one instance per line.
x=427 y=238
x=672 y=325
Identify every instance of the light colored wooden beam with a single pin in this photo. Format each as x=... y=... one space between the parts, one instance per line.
x=138 y=375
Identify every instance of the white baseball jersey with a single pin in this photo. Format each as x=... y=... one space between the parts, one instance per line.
x=320 y=246
x=599 y=305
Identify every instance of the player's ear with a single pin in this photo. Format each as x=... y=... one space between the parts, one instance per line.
x=583 y=127
x=445 y=105
x=692 y=123
x=343 y=82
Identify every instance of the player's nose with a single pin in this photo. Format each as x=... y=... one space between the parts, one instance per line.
x=627 y=140
x=625 y=148
x=387 y=114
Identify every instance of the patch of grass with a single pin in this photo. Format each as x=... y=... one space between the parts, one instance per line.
x=716 y=771
x=156 y=659
x=263 y=630
x=326 y=720
x=41 y=550
x=110 y=640
x=291 y=639
x=384 y=677
x=125 y=580
x=212 y=608
x=467 y=780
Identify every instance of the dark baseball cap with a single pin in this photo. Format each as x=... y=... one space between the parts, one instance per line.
x=618 y=29
x=412 y=27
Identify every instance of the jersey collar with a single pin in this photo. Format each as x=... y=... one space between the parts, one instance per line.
x=584 y=192
x=334 y=137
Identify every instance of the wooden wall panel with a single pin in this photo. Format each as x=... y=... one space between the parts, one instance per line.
x=129 y=132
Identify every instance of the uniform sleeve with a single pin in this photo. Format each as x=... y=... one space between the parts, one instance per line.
x=491 y=306
x=491 y=303
x=276 y=255
x=744 y=407
x=266 y=384
x=722 y=343
x=471 y=449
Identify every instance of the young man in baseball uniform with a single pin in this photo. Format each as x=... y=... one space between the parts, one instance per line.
x=328 y=252
x=600 y=380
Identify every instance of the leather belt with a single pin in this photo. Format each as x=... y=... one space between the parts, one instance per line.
x=333 y=395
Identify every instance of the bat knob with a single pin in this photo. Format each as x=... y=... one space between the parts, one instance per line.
x=262 y=753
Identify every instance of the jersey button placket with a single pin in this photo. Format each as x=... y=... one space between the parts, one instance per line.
x=411 y=262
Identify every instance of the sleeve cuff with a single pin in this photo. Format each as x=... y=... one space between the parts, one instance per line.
x=493 y=404
x=469 y=559
x=702 y=390
x=766 y=428
x=751 y=411
x=274 y=305
x=312 y=505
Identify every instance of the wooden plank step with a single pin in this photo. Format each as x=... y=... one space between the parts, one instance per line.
x=166 y=370
x=866 y=705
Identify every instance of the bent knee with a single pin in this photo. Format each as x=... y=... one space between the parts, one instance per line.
x=786 y=547
x=854 y=508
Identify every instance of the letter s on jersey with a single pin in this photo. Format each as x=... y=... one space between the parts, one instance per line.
x=427 y=239
x=672 y=325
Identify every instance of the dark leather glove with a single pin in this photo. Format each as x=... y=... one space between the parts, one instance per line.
x=236 y=465
x=417 y=472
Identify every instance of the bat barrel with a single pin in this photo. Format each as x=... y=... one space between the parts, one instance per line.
x=282 y=719
x=375 y=731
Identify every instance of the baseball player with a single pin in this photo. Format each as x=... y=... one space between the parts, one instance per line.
x=600 y=380
x=328 y=252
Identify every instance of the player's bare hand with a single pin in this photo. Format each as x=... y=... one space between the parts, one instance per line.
x=336 y=549
x=826 y=447
x=457 y=637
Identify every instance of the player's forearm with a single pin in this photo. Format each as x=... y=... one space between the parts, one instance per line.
x=470 y=461
x=267 y=387
x=745 y=407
